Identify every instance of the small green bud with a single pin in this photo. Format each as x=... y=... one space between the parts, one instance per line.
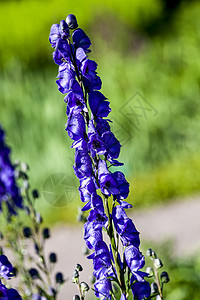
x=15 y=271
x=1 y=235
x=53 y=257
x=46 y=233
x=158 y=263
x=76 y=297
x=79 y=267
x=16 y=163
x=59 y=278
x=149 y=270
x=84 y=286
x=76 y=274
x=35 y=194
x=27 y=232
x=164 y=277
x=154 y=288
x=149 y=252
x=26 y=184
x=24 y=167
x=34 y=273
x=92 y=279
x=38 y=218
x=85 y=250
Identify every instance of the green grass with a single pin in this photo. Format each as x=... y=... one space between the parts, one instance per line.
x=160 y=157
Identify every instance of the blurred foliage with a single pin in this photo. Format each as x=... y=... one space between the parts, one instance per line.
x=184 y=272
x=160 y=149
x=25 y=24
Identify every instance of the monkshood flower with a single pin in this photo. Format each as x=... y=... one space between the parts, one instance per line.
x=96 y=150
x=6 y=268
x=8 y=294
x=9 y=191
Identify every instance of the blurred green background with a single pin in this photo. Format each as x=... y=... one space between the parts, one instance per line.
x=148 y=53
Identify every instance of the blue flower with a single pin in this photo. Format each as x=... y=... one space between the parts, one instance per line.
x=141 y=290
x=112 y=144
x=80 y=39
x=98 y=104
x=102 y=125
x=134 y=259
x=95 y=143
x=66 y=77
x=92 y=233
x=75 y=125
x=71 y=21
x=57 y=32
x=8 y=294
x=83 y=164
x=122 y=184
x=54 y=35
x=64 y=29
x=125 y=227
x=6 y=268
x=107 y=182
x=87 y=188
x=90 y=78
x=63 y=50
x=97 y=212
x=103 y=288
x=9 y=191
x=101 y=260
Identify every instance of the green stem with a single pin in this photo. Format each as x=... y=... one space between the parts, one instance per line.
x=158 y=282
x=120 y=275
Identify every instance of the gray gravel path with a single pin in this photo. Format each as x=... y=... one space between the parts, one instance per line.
x=179 y=221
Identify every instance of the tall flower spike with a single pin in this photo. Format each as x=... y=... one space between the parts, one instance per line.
x=96 y=149
x=9 y=191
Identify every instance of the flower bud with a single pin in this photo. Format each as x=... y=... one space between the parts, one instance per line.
x=164 y=277
x=149 y=270
x=154 y=288
x=59 y=278
x=85 y=250
x=24 y=167
x=158 y=263
x=71 y=21
x=79 y=267
x=92 y=279
x=1 y=235
x=75 y=274
x=26 y=184
x=64 y=29
x=37 y=250
x=154 y=255
x=46 y=233
x=149 y=252
x=38 y=218
x=15 y=271
x=27 y=210
x=27 y=232
x=34 y=273
x=53 y=257
x=16 y=163
x=76 y=297
x=35 y=194
x=84 y=286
